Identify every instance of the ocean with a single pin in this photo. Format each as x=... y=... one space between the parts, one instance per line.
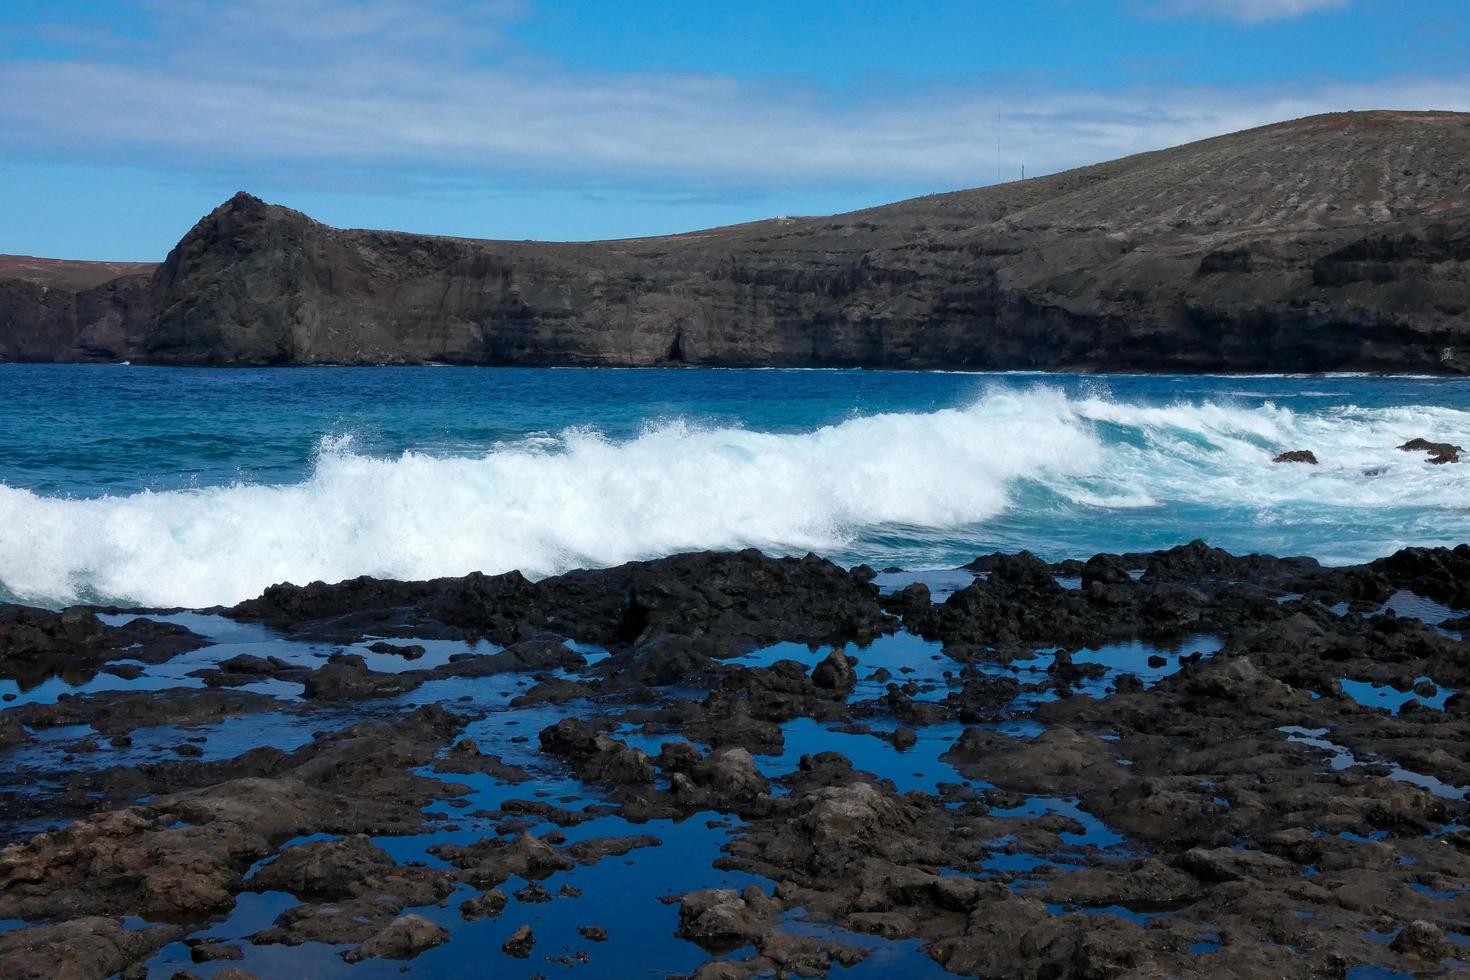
x=167 y=487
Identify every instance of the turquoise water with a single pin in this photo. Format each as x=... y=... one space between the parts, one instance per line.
x=194 y=487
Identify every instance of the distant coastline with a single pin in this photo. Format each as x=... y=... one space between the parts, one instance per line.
x=1284 y=249
x=1074 y=372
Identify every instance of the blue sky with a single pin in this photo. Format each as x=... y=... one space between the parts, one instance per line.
x=123 y=122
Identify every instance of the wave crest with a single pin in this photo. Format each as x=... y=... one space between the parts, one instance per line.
x=540 y=505
x=547 y=504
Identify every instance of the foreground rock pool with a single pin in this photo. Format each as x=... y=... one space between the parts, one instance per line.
x=1176 y=763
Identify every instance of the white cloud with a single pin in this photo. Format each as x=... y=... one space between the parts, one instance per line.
x=374 y=88
x=1248 y=11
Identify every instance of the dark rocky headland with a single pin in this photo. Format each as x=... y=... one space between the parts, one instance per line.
x=1335 y=242
x=1178 y=763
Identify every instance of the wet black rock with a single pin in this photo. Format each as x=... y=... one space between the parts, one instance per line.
x=402 y=939
x=835 y=672
x=595 y=756
x=1441 y=574
x=1296 y=456
x=485 y=906
x=722 y=919
x=492 y=861
x=910 y=600
x=408 y=651
x=209 y=951
x=36 y=644
x=348 y=678
x=326 y=869
x=1423 y=940
x=1438 y=452
x=729 y=776
x=77 y=949
x=1233 y=794
x=520 y=943
x=722 y=603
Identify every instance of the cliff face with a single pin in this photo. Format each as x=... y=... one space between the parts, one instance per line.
x=53 y=310
x=1337 y=242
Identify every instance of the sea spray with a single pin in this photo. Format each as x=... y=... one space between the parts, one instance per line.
x=582 y=500
x=1017 y=467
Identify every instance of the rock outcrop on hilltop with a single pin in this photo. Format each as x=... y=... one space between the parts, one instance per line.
x=1335 y=242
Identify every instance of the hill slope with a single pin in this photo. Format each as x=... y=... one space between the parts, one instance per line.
x=1338 y=242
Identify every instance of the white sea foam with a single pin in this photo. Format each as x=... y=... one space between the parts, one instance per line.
x=575 y=499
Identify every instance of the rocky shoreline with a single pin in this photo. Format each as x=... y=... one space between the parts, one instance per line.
x=1175 y=763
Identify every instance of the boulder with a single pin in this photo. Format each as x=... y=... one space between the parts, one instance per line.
x=402 y=939
x=1439 y=452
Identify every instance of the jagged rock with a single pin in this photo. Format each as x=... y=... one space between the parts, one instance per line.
x=484 y=906
x=86 y=948
x=209 y=951
x=1229 y=864
x=124 y=861
x=596 y=756
x=492 y=861
x=835 y=672
x=325 y=869
x=402 y=939
x=520 y=943
x=1423 y=940
x=349 y=679
x=408 y=651
x=716 y=916
x=731 y=773
x=1439 y=452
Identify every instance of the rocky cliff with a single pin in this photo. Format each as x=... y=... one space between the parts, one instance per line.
x=55 y=310
x=1338 y=242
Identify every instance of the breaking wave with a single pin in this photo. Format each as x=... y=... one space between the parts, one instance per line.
x=548 y=504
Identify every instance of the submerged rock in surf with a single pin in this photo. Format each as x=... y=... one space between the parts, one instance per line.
x=1439 y=452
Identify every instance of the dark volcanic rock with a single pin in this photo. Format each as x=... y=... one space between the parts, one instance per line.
x=520 y=943
x=1297 y=456
x=119 y=712
x=1287 y=248
x=484 y=906
x=349 y=679
x=39 y=643
x=1441 y=574
x=687 y=607
x=78 y=949
x=1228 y=796
x=402 y=939
x=1439 y=452
x=59 y=310
x=835 y=673
x=596 y=757
x=326 y=869
x=723 y=919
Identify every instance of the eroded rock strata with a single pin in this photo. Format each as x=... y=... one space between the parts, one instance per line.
x=1177 y=763
x=1335 y=242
